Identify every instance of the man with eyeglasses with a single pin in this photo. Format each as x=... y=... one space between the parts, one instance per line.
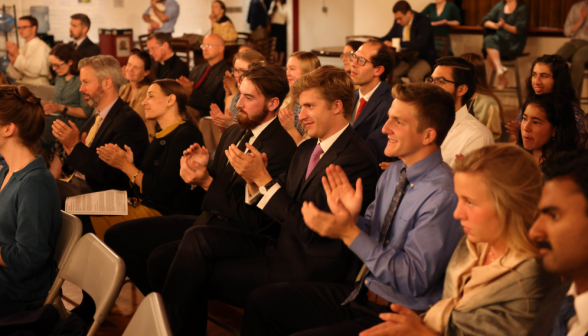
x=204 y=86
x=167 y=63
x=30 y=63
x=458 y=77
x=370 y=66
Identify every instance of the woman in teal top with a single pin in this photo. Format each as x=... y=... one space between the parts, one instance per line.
x=443 y=15
x=30 y=217
x=68 y=102
x=510 y=19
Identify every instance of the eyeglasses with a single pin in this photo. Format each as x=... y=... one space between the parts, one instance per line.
x=345 y=55
x=360 y=60
x=206 y=46
x=236 y=72
x=440 y=81
x=57 y=66
x=23 y=27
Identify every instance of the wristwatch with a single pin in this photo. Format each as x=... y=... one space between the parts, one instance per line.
x=263 y=189
x=64 y=111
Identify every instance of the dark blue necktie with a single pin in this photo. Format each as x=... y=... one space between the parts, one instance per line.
x=566 y=312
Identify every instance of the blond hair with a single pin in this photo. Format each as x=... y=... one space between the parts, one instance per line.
x=308 y=61
x=514 y=183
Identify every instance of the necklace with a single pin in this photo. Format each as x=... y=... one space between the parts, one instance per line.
x=14 y=171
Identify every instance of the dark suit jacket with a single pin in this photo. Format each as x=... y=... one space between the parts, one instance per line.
x=373 y=117
x=421 y=37
x=122 y=126
x=172 y=68
x=226 y=195
x=212 y=90
x=300 y=253
x=549 y=309
x=87 y=48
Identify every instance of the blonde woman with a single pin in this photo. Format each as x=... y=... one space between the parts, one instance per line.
x=493 y=284
x=300 y=63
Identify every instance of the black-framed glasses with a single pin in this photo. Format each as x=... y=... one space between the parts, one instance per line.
x=57 y=66
x=360 y=60
x=440 y=81
x=345 y=55
x=23 y=27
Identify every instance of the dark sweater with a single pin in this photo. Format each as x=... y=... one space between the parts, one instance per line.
x=172 y=68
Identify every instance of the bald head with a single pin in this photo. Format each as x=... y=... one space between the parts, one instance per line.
x=213 y=48
x=214 y=39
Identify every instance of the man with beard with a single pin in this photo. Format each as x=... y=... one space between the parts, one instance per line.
x=458 y=77
x=78 y=30
x=114 y=122
x=561 y=233
x=149 y=245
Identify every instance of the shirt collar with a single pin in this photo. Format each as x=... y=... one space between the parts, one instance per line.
x=258 y=129
x=418 y=170
x=106 y=110
x=580 y=304
x=461 y=114
x=369 y=94
x=327 y=143
x=169 y=60
x=78 y=42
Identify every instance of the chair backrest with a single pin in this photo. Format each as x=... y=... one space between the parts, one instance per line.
x=71 y=231
x=266 y=46
x=150 y=318
x=442 y=46
x=360 y=38
x=97 y=270
x=182 y=48
x=143 y=42
x=243 y=38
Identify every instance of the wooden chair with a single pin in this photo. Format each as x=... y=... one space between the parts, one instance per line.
x=360 y=38
x=243 y=38
x=143 y=42
x=266 y=46
x=442 y=45
x=182 y=49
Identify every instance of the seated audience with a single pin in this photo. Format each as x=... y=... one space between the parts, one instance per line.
x=161 y=16
x=443 y=15
x=138 y=73
x=205 y=83
x=221 y=24
x=549 y=74
x=417 y=43
x=370 y=66
x=560 y=231
x=484 y=103
x=405 y=239
x=493 y=283
x=510 y=19
x=576 y=50
x=78 y=30
x=241 y=62
x=350 y=48
x=299 y=64
x=156 y=182
x=149 y=245
x=167 y=63
x=298 y=254
x=29 y=206
x=68 y=102
x=30 y=63
x=458 y=77
x=548 y=128
x=114 y=122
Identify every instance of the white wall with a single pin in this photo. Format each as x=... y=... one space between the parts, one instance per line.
x=374 y=17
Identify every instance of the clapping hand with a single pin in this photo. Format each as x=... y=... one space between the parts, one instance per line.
x=513 y=128
x=69 y=136
x=251 y=166
x=500 y=23
x=186 y=84
x=403 y=322
x=286 y=117
x=222 y=120
x=194 y=165
x=114 y=156
x=12 y=48
x=50 y=108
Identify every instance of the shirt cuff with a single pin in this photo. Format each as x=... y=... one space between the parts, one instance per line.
x=268 y=196
x=363 y=246
x=251 y=199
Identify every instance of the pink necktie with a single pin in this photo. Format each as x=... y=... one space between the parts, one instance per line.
x=314 y=159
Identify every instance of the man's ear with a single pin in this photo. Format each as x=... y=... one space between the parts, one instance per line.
x=337 y=107
x=273 y=104
x=107 y=83
x=462 y=90
x=429 y=136
x=378 y=71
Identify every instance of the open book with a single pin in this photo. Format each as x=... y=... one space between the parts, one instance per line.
x=110 y=202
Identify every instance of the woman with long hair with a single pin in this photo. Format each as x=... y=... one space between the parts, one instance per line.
x=299 y=63
x=30 y=217
x=485 y=105
x=493 y=283
x=138 y=72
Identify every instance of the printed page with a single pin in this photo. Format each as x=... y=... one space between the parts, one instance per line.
x=110 y=202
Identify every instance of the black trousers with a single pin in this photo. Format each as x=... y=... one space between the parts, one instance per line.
x=308 y=308
x=211 y=262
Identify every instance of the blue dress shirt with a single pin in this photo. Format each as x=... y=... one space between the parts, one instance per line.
x=410 y=269
x=172 y=10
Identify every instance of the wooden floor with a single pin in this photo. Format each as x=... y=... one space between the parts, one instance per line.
x=130 y=298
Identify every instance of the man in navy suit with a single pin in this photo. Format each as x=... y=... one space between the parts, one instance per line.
x=370 y=68
x=416 y=34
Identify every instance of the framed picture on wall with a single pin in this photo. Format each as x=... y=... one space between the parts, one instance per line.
x=123 y=46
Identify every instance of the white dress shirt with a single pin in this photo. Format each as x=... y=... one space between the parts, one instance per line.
x=466 y=134
x=366 y=97
x=578 y=324
x=78 y=42
x=325 y=145
x=32 y=64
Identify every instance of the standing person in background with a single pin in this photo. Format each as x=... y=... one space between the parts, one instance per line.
x=257 y=19
x=510 y=19
x=576 y=50
x=78 y=30
x=161 y=16
x=221 y=24
x=138 y=73
x=30 y=63
x=167 y=63
x=443 y=15
x=279 y=17
x=486 y=106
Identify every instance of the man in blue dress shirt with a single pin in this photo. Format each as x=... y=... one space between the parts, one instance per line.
x=405 y=239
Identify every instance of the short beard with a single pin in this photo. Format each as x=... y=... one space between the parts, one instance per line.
x=247 y=123
x=95 y=98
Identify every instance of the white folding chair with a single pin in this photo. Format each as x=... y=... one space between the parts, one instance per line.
x=71 y=231
x=150 y=318
x=97 y=270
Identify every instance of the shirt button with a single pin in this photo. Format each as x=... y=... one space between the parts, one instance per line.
x=366 y=282
x=162 y=142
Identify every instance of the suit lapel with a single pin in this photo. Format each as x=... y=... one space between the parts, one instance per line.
x=371 y=104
